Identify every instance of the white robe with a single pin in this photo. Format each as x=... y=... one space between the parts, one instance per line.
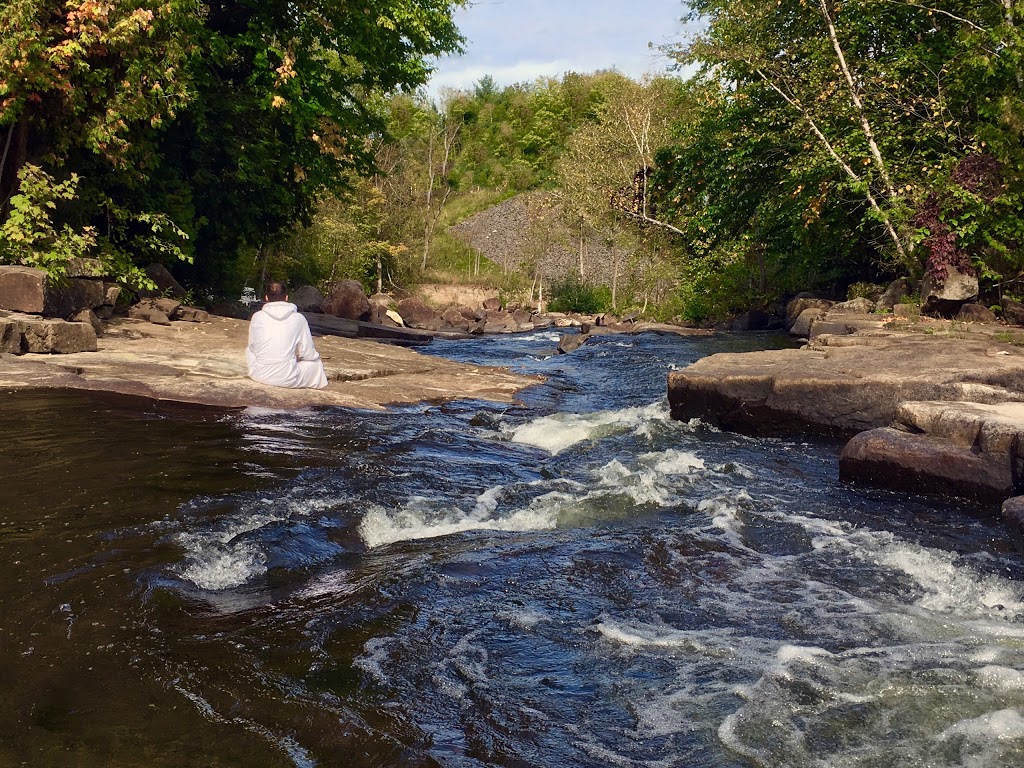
x=281 y=351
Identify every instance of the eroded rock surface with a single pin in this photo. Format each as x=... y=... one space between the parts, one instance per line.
x=844 y=384
x=205 y=364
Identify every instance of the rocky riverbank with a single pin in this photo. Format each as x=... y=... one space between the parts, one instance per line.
x=204 y=363
x=928 y=405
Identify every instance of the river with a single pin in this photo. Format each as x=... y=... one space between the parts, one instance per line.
x=574 y=580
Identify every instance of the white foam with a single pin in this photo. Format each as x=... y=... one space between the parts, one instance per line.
x=1000 y=678
x=220 y=559
x=1003 y=725
x=381 y=526
x=559 y=431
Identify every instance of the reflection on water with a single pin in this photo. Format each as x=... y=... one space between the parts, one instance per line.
x=576 y=580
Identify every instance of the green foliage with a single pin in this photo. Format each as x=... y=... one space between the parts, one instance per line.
x=30 y=236
x=574 y=295
x=862 y=290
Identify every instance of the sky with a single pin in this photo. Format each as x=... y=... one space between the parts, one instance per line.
x=517 y=41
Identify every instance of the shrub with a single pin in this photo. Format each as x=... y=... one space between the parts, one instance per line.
x=575 y=295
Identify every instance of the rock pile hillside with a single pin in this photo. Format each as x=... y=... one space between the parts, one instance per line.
x=530 y=229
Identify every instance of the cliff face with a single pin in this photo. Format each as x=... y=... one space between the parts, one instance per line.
x=532 y=232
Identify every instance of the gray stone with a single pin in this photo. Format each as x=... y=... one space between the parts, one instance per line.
x=798 y=305
x=149 y=313
x=88 y=316
x=454 y=318
x=166 y=285
x=54 y=336
x=908 y=311
x=23 y=289
x=1013 y=311
x=976 y=313
x=802 y=326
x=416 y=313
x=897 y=290
x=10 y=336
x=191 y=315
x=570 y=342
x=90 y=268
x=307 y=299
x=947 y=297
x=493 y=304
x=859 y=306
x=347 y=300
x=842 y=388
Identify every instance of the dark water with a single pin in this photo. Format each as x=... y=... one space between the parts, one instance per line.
x=573 y=581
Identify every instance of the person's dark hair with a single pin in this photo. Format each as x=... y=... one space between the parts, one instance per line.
x=276 y=291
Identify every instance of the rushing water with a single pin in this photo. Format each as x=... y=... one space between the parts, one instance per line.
x=576 y=580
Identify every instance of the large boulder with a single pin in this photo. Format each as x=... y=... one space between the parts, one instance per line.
x=570 y=342
x=1013 y=311
x=454 y=318
x=845 y=384
x=802 y=326
x=860 y=305
x=493 y=303
x=347 y=300
x=416 y=313
x=10 y=335
x=751 y=320
x=945 y=297
x=307 y=299
x=898 y=460
x=893 y=294
x=976 y=313
x=166 y=285
x=26 y=289
x=802 y=303
x=54 y=336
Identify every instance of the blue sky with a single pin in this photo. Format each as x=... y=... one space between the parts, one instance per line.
x=520 y=40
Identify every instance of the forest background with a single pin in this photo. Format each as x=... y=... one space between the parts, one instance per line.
x=818 y=145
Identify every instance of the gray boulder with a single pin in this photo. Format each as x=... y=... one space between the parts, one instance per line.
x=946 y=297
x=801 y=303
x=416 y=313
x=976 y=313
x=1013 y=514
x=893 y=294
x=859 y=305
x=1013 y=311
x=570 y=342
x=307 y=299
x=347 y=300
x=55 y=336
x=166 y=285
x=802 y=326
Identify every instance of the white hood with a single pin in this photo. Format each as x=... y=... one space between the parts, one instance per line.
x=280 y=310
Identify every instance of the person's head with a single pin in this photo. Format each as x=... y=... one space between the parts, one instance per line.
x=276 y=291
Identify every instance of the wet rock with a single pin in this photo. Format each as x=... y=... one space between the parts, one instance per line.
x=946 y=297
x=307 y=299
x=570 y=342
x=1013 y=514
x=347 y=300
x=889 y=458
x=976 y=313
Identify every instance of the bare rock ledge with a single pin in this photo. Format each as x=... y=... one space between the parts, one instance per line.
x=204 y=363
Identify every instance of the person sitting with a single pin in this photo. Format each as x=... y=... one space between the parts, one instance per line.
x=281 y=351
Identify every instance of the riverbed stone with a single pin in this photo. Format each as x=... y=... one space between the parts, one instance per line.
x=416 y=313
x=570 y=342
x=890 y=458
x=1013 y=515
